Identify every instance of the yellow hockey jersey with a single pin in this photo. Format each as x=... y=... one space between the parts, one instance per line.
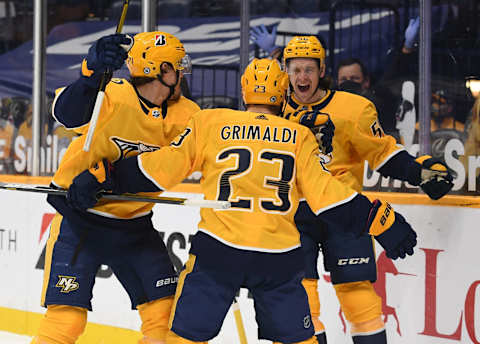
x=358 y=134
x=6 y=138
x=261 y=163
x=126 y=127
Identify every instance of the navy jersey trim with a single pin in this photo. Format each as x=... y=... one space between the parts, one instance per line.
x=325 y=102
x=319 y=106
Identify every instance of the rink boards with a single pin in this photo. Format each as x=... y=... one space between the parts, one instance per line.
x=430 y=297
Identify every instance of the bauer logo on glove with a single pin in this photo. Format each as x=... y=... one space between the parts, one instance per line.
x=322 y=127
x=391 y=230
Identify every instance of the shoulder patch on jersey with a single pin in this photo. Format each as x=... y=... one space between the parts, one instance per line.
x=262 y=117
x=130 y=148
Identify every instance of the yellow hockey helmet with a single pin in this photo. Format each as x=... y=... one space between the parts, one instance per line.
x=304 y=46
x=151 y=49
x=264 y=82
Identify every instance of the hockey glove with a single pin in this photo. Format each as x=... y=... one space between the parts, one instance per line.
x=264 y=39
x=108 y=53
x=322 y=127
x=391 y=230
x=436 y=179
x=83 y=193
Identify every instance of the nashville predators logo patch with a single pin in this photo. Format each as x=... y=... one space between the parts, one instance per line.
x=131 y=148
x=67 y=284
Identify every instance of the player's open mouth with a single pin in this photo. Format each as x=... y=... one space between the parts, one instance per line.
x=303 y=88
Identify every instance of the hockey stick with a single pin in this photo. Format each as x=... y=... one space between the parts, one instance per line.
x=124 y=197
x=107 y=75
x=239 y=322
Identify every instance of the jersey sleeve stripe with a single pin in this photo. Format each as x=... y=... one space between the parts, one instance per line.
x=333 y=205
x=391 y=155
x=248 y=248
x=147 y=175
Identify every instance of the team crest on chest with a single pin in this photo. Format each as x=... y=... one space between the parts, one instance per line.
x=131 y=148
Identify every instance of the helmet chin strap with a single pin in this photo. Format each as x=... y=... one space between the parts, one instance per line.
x=171 y=87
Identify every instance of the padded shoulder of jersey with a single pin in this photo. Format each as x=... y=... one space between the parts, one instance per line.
x=121 y=91
x=352 y=101
x=188 y=104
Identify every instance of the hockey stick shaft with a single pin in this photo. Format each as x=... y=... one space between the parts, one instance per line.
x=103 y=84
x=124 y=197
x=239 y=322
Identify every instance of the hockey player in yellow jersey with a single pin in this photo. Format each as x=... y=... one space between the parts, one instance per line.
x=138 y=115
x=358 y=138
x=263 y=165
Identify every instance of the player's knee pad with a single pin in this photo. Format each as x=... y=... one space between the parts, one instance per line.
x=311 y=287
x=61 y=325
x=359 y=301
x=173 y=338
x=155 y=316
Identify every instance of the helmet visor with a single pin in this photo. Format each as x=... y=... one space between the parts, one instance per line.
x=185 y=65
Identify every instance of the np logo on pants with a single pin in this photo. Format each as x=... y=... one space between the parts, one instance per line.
x=67 y=283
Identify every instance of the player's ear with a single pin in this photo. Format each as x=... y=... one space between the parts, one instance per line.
x=322 y=69
x=166 y=67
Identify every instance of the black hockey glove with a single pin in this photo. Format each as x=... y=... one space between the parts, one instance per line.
x=436 y=179
x=391 y=230
x=322 y=127
x=83 y=193
x=109 y=52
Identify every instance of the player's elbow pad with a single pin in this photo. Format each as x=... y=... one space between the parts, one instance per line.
x=130 y=179
x=391 y=230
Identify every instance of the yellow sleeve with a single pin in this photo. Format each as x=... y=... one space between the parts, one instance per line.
x=170 y=165
x=370 y=141
x=320 y=189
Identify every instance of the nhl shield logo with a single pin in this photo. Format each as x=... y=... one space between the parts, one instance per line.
x=155 y=113
x=307 y=322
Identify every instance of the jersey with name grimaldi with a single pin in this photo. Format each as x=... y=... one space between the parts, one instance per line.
x=262 y=164
x=126 y=126
x=358 y=134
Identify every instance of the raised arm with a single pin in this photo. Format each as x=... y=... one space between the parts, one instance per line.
x=73 y=104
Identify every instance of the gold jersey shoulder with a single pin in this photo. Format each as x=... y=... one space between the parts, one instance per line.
x=261 y=163
x=358 y=134
x=126 y=126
